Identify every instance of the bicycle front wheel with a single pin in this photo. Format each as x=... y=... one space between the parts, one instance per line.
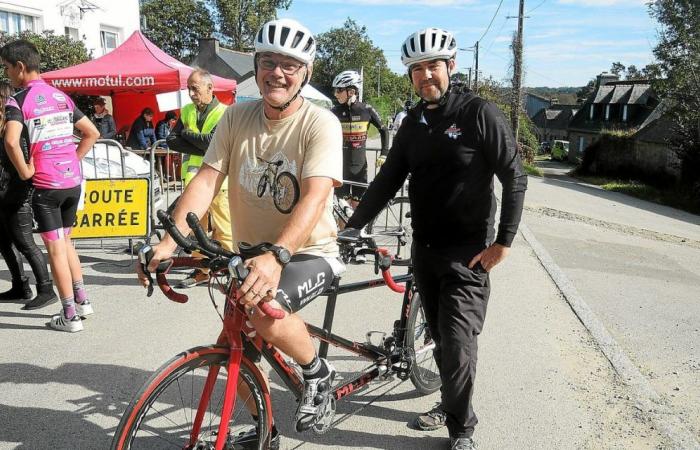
x=391 y=228
x=287 y=193
x=162 y=413
x=425 y=374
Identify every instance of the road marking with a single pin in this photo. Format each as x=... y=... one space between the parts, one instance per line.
x=647 y=400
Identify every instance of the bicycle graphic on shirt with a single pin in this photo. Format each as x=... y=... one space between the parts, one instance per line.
x=284 y=188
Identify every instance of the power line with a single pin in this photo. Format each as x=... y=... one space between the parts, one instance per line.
x=492 y=19
x=538 y=5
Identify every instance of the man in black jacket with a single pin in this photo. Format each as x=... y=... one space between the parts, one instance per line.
x=452 y=144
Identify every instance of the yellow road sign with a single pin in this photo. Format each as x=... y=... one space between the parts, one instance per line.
x=113 y=208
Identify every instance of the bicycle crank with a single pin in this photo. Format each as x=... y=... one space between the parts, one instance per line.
x=325 y=421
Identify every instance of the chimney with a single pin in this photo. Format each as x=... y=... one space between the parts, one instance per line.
x=208 y=46
x=605 y=78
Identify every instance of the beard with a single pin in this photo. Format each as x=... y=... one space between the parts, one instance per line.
x=431 y=92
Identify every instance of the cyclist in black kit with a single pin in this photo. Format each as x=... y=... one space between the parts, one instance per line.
x=355 y=118
x=452 y=144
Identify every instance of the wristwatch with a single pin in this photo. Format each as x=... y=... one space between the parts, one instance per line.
x=282 y=254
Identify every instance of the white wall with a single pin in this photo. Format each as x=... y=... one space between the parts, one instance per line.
x=118 y=16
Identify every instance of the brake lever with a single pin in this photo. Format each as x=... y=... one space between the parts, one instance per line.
x=145 y=257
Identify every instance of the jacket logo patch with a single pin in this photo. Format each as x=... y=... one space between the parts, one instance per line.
x=453 y=132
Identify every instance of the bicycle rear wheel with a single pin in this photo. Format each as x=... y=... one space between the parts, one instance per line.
x=162 y=413
x=425 y=374
x=391 y=228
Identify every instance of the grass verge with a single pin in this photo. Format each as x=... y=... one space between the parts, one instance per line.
x=533 y=170
x=676 y=197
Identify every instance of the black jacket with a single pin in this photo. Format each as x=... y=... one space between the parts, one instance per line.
x=452 y=162
x=355 y=120
x=13 y=190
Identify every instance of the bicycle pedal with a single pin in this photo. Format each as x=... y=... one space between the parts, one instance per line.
x=402 y=369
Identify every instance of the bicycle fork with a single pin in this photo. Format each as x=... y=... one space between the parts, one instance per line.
x=235 y=342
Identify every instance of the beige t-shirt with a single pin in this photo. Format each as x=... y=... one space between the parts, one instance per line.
x=309 y=144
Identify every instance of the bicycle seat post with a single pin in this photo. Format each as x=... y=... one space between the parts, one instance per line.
x=328 y=317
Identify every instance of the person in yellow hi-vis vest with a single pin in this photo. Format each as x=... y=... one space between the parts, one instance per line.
x=191 y=136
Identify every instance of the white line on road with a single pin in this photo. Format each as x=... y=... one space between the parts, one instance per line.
x=646 y=398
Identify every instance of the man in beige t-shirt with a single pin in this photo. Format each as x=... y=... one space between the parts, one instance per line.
x=283 y=158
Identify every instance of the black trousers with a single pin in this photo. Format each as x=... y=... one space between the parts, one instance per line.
x=16 y=233
x=454 y=299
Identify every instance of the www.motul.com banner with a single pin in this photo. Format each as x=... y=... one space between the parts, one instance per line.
x=104 y=81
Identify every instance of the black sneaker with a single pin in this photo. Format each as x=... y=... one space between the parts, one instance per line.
x=432 y=420
x=249 y=440
x=464 y=443
x=314 y=399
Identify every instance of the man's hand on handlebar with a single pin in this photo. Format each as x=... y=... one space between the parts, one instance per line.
x=161 y=252
x=262 y=280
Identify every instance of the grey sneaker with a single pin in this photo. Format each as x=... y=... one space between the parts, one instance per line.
x=432 y=420
x=84 y=309
x=314 y=399
x=195 y=278
x=464 y=443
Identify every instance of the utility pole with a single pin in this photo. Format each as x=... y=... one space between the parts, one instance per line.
x=476 y=67
x=469 y=79
x=517 y=72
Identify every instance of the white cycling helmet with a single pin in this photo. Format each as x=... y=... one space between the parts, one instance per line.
x=286 y=37
x=348 y=78
x=424 y=45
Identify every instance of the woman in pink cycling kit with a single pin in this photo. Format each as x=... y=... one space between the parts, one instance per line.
x=45 y=117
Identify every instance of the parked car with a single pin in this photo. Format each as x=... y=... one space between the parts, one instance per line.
x=105 y=161
x=560 y=150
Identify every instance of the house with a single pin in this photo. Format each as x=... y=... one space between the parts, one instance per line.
x=223 y=62
x=632 y=119
x=102 y=25
x=239 y=66
x=621 y=106
x=553 y=122
x=534 y=103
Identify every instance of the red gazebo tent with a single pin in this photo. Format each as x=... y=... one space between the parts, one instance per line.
x=132 y=74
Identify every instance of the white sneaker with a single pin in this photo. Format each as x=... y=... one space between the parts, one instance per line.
x=61 y=323
x=84 y=309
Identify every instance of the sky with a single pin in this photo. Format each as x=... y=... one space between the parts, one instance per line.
x=567 y=42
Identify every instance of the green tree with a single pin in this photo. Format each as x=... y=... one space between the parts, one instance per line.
x=176 y=25
x=57 y=51
x=238 y=20
x=678 y=55
x=350 y=48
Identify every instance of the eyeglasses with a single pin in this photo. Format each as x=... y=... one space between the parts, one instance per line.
x=288 y=67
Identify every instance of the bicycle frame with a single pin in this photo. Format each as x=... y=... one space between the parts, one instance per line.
x=235 y=327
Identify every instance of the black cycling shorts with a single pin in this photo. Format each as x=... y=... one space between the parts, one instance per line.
x=304 y=279
x=355 y=174
x=55 y=208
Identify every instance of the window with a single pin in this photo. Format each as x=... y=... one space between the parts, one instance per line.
x=607 y=112
x=581 y=144
x=12 y=23
x=590 y=116
x=624 y=113
x=109 y=40
x=72 y=33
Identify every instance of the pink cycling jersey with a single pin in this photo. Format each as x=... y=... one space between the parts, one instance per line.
x=48 y=116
